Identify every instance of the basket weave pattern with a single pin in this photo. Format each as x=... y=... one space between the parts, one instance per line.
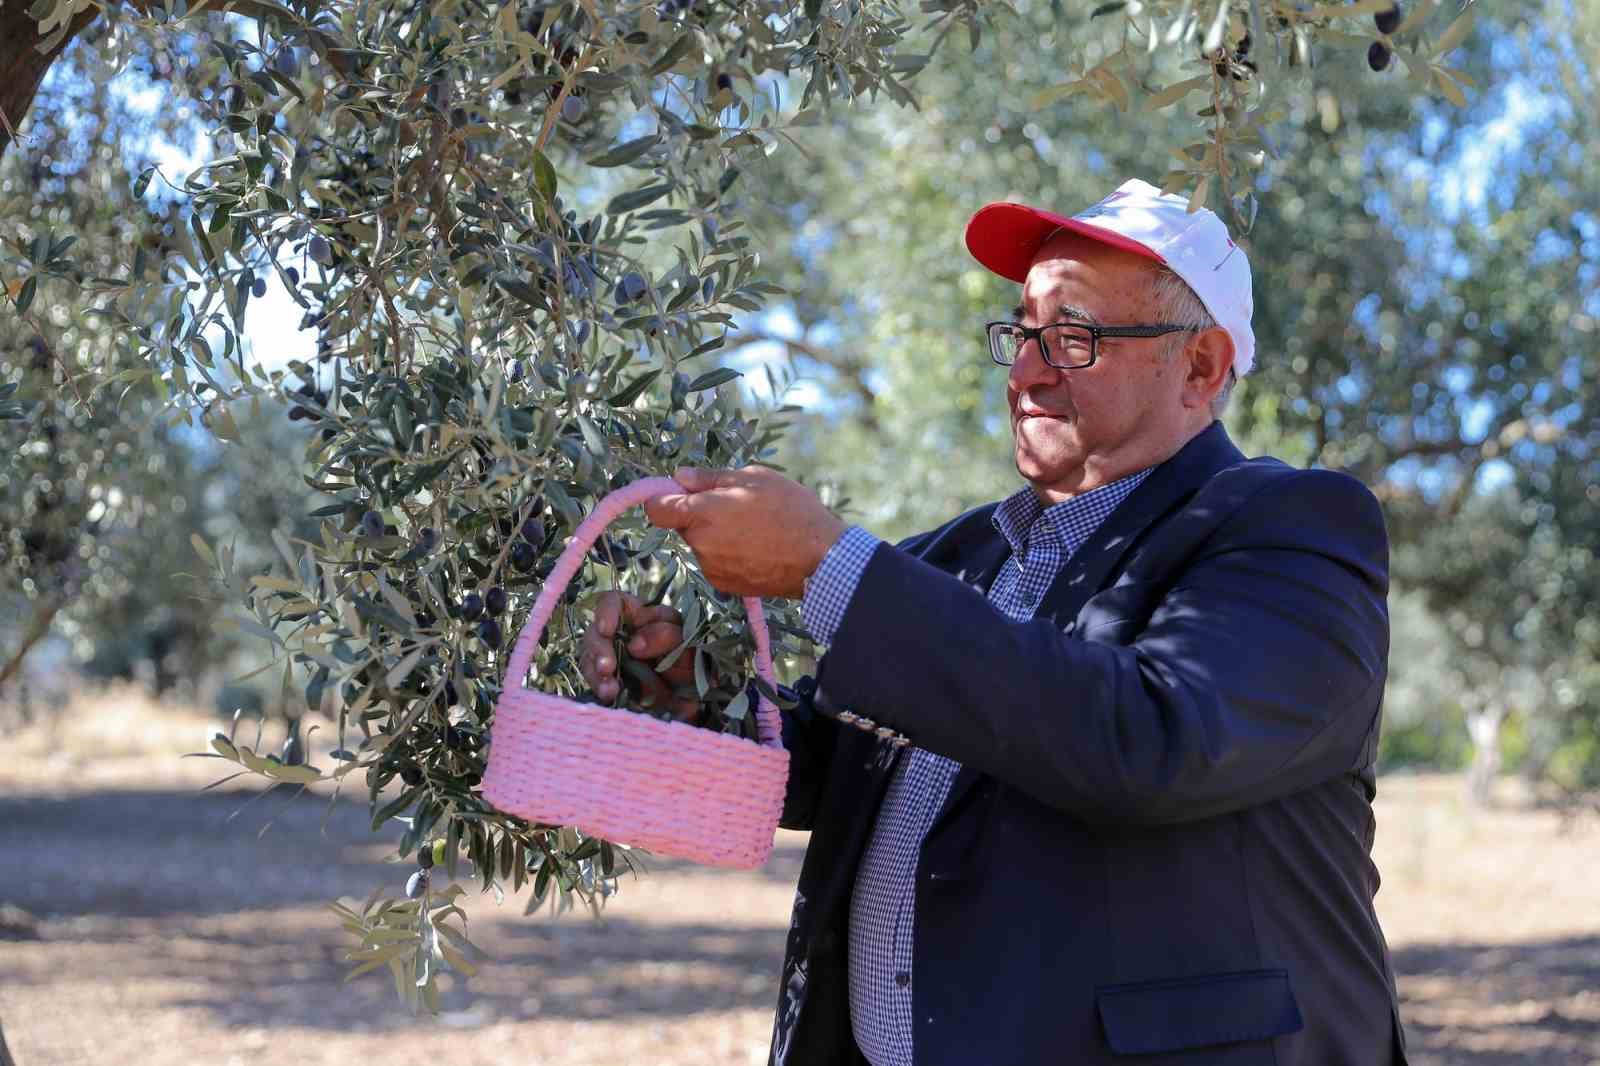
x=668 y=787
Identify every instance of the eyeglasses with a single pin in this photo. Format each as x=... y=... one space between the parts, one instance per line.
x=1065 y=345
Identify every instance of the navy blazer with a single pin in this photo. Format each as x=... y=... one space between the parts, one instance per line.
x=1158 y=848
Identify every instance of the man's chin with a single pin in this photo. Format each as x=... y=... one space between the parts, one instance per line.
x=1033 y=470
x=1045 y=469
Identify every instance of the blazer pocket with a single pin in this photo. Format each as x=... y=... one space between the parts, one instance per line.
x=1146 y=1017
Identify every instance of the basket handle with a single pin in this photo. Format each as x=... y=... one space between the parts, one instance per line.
x=768 y=727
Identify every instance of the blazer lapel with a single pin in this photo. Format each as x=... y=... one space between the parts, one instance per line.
x=1168 y=485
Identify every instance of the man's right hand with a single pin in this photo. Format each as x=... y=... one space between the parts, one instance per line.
x=653 y=632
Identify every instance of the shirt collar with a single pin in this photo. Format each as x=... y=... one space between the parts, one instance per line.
x=1022 y=517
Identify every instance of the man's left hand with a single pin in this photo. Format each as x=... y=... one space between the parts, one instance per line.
x=753 y=531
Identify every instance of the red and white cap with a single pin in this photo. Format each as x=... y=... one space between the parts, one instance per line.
x=1138 y=218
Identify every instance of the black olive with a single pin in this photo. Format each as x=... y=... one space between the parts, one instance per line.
x=495 y=600
x=1387 y=22
x=425 y=855
x=630 y=287
x=471 y=606
x=411 y=776
x=1378 y=56
x=489 y=632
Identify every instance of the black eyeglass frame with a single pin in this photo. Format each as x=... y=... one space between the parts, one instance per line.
x=1036 y=334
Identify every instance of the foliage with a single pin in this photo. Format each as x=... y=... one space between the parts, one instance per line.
x=519 y=234
x=1391 y=343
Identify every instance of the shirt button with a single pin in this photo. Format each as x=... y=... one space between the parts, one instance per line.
x=902 y=979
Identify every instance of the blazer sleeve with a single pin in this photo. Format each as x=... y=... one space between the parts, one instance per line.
x=810 y=738
x=1259 y=673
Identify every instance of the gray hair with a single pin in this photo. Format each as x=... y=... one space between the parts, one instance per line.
x=1176 y=304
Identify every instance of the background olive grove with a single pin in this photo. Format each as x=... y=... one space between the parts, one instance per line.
x=1425 y=312
x=529 y=246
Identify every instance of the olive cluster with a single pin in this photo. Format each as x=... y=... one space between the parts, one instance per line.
x=579 y=271
x=455 y=748
x=563 y=40
x=429 y=855
x=1379 y=53
x=1236 y=65
x=314 y=395
x=485 y=609
x=313 y=407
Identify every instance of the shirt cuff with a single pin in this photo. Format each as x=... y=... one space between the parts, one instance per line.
x=833 y=583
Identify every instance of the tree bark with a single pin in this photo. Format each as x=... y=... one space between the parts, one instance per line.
x=38 y=626
x=1483 y=725
x=5 y=1054
x=23 y=66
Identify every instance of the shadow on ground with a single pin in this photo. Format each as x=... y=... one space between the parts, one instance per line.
x=1535 y=1003
x=178 y=890
x=171 y=852
x=191 y=853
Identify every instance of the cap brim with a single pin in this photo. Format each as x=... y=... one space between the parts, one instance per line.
x=1005 y=237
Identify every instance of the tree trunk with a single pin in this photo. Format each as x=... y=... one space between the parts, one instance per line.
x=23 y=66
x=44 y=613
x=1483 y=725
x=5 y=1054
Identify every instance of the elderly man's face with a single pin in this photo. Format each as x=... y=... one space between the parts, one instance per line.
x=1076 y=430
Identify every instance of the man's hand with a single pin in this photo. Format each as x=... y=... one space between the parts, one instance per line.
x=753 y=531
x=655 y=632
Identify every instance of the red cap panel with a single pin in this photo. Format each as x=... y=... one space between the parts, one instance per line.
x=1004 y=237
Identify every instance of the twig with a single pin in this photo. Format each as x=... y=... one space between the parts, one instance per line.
x=38 y=331
x=554 y=109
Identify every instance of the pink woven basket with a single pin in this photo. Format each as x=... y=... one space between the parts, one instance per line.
x=668 y=787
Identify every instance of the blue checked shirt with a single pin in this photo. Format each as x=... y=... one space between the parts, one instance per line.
x=882 y=908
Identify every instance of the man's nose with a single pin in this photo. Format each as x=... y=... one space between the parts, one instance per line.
x=1030 y=368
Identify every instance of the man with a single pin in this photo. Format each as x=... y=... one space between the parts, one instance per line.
x=1088 y=771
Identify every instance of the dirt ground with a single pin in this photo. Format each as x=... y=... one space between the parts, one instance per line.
x=144 y=922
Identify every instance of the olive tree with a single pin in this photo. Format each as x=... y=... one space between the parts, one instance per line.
x=518 y=231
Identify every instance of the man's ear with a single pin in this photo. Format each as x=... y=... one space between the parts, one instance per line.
x=1210 y=357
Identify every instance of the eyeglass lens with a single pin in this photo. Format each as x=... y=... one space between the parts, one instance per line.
x=1063 y=345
